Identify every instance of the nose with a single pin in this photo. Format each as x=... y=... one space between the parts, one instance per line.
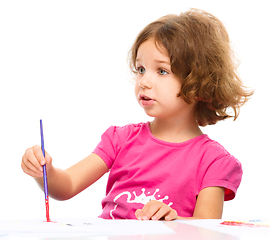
x=145 y=81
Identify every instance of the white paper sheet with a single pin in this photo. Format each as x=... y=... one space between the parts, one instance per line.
x=240 y=231
x=80 y=227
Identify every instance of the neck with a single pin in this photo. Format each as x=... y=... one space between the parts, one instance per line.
x=175 y=131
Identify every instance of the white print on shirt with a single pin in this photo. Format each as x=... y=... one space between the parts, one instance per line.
x=143 y=199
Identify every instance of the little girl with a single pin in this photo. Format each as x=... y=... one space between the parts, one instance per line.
x=165 y=169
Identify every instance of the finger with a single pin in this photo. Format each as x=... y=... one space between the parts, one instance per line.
x=48 y=159
x=150 y=209
x=39 y=155
x=138 y=214
x=31 y=172
x=171 y=216
x=166 y=213
x=162 y=211
x=141 y=213
x=156 y=210
x=30 y=160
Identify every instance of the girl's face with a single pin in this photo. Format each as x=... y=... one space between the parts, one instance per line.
x=156 y=86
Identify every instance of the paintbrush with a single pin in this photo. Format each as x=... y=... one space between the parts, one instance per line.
x=45 y=183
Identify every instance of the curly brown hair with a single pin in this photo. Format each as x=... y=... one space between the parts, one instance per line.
x=201 y=57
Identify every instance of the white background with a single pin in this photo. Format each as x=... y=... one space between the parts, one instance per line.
x=65 y=62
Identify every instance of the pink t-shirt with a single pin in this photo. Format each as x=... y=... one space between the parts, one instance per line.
x=144 y=168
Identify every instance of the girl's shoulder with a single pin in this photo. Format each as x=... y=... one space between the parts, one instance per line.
x=132 y=127
x=213 y=151
x=126 y=131
x=214 y=146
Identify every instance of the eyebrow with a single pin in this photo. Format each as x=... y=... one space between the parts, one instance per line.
x=158 y=61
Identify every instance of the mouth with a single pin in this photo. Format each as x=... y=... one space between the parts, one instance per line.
x=146 y=101
x=145 y=98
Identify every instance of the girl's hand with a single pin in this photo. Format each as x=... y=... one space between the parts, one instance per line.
x=33 y=160
x=155 y=210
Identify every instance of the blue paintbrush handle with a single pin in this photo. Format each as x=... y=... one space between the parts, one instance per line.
x=45 y=182
x=44 y=166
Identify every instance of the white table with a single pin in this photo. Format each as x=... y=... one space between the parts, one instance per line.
x=99 y=229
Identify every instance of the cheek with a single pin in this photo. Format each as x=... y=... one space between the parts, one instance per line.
x=176 y=89
x=173 y=91
x=136 y=89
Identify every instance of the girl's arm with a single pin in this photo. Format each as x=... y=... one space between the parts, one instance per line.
x=63 y=184
x=209 y=205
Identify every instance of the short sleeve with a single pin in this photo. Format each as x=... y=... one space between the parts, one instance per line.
x=108 y=146
x=224 y=172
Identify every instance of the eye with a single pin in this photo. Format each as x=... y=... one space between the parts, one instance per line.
x=162 y=72
x=141 y=70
